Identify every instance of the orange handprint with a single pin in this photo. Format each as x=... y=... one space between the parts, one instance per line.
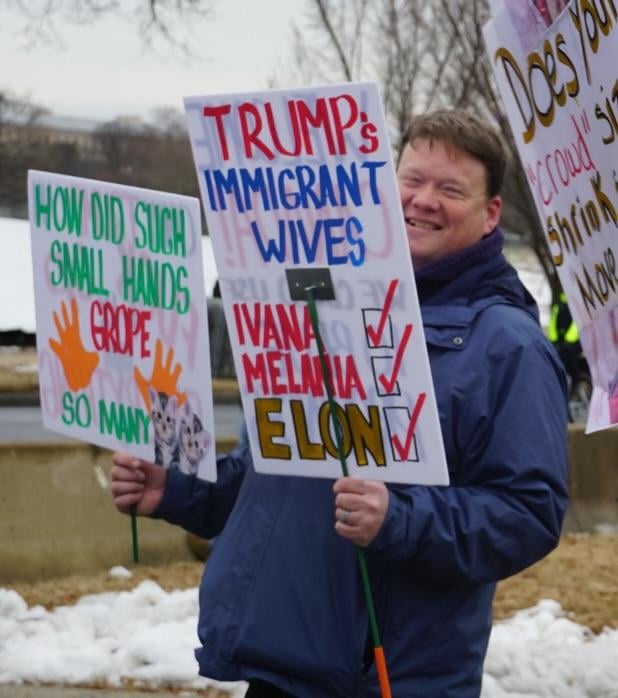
x=77 y=363
x=162 y=380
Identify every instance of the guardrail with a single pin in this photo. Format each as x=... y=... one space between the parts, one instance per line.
x=57 y=517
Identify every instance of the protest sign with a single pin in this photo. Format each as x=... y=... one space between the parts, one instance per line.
x=529 y=18
x=561 y=98
x=299 y=191
x=122 y=334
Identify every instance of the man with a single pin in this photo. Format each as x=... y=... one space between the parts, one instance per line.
x=281 y=604
x=562 y=332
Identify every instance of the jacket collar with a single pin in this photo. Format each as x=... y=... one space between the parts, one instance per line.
x=436 y=275
x=453 y=290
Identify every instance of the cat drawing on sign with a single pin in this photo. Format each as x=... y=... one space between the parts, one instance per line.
x=163 y=416
x=193 y=441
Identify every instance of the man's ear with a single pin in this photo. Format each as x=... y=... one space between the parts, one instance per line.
x=493 y=209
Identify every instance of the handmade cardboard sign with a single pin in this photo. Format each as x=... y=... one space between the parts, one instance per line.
x=122 y=334
x=561 y=98
x=301 y=198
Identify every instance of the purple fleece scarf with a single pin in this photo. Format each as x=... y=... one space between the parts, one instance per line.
x=436 y=274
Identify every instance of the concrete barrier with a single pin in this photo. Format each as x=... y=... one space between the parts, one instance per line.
x=57 y=519
x=593 y=478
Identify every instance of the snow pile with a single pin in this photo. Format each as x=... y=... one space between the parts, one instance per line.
x=540 y=652
x=148 y=636
x=119 y=572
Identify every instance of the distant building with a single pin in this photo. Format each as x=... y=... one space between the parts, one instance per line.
x=51 y=129
x=41 y=141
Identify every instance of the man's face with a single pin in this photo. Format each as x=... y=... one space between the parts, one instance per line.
x=444 y=199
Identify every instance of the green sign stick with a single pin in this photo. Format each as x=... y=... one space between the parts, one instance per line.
x=373 y=622
x=134 y=534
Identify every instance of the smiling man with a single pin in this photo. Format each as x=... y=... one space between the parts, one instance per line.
x=447 y=203
x=281 y=601
x=501 y=396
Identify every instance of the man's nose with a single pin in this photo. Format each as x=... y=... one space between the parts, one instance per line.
x=425 y=197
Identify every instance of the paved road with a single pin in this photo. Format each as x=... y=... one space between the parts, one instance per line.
x=25 y=424
x=11 y=691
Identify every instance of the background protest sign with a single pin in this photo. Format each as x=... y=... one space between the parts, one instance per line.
x=561 y=97
x=122 y=334
x=299 y=190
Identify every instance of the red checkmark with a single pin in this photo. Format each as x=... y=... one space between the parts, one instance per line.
x=389 y=383
x=404 y=449
x=375 y=336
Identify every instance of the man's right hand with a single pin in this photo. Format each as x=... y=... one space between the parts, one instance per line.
x=137 y=483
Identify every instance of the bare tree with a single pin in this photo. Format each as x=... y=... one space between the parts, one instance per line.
x=133 y=152
x=425 y=54
x=329 y=41
x=17 y=150
x=14 y=109
x=171 y=20
x=128 y=150
x=116 y=139
x=169 y=122
x=467 y=81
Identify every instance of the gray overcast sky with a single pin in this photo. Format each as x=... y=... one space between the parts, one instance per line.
x=101 y=70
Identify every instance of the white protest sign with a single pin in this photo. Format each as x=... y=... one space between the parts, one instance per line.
x=561 y=97
x=529 y=18
x=299 y=190
x=122 y=333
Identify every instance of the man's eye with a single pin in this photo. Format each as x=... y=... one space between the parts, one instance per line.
x=452 y=192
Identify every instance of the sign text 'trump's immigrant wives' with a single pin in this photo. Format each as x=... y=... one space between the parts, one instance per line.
x=300 y=191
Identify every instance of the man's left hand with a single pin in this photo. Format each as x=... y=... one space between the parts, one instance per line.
x=360 y=509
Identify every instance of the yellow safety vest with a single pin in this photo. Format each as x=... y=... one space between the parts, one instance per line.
x=571 y=335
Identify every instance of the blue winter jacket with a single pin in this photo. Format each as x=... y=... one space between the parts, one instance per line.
x=281 y=598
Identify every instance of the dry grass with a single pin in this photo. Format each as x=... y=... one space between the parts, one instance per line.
x=66 y=590
x=581 y=574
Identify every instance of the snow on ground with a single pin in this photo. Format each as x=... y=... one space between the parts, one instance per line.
x=148 y=635
x=16 y=280
x=16 y=276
